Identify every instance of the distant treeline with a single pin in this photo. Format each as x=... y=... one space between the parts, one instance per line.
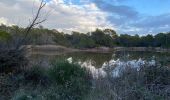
x=97 y=38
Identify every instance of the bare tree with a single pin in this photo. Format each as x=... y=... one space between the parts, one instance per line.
x=35 y=21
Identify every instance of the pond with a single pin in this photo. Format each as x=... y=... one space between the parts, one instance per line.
x=98 y=59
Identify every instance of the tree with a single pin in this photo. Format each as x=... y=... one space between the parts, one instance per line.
x=148 y=40
x=102 y=39
x=111 y=32
x=160 y=39
x=86 y=42
x=61 y=39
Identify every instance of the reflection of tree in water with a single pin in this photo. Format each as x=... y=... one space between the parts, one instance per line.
x=163 y=58
x=98 y=59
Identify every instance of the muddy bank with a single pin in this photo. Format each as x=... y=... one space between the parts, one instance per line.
x=145 y=49
x=57 y=49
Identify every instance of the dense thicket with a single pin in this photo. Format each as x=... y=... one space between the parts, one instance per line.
x=61 y=81
x=97 y=38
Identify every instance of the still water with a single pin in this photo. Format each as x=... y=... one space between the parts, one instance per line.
x=98 y=59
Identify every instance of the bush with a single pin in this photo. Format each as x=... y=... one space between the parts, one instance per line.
x=73 y=80
x=4 y=36
x=12 y=60
x=25 y=96
x=62 y=81
x=35 y=76
x=157 y=75
x=150 y=83
x=62 y=72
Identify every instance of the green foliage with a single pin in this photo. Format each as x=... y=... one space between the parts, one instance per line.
x=39 y=36
x=62 y=72
x=62 y=81
x=106 y=37
x=4 y=36
x=109 y=38
x=85 y=42
x=101 y=38
x=61 y=39
x=35 y=75
x=73 y=79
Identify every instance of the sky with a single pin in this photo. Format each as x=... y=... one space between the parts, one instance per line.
x=124 y=16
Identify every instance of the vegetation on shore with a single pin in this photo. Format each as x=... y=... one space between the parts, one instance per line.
x=68 y=81
x=62 y=81
x=97 y=38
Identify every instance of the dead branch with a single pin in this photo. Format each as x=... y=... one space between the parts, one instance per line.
x=36 y=20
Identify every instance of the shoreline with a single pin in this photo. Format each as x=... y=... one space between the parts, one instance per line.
x=58 y=49
x=143 y=49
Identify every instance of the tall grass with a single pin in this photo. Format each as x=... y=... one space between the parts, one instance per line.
x=149 y=83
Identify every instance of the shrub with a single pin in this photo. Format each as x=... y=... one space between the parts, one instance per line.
x=33 y=77
x=71 y=78
x=36 y=75
x=157 y=75
x=62 y=72
x=150 y=83
x=4 y=36
x=29 y=93
x=62 y=81
x=12 y=60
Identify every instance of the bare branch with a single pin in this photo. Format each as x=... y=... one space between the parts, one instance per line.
x=32 y=24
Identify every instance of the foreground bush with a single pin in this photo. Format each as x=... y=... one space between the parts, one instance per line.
x=62 y=72
x=62 y=81
x=150 y=83
x=65 y=81
x=12 y=60
x=73 y=79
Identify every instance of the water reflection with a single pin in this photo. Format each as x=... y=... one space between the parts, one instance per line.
x=98 y=59
x=113 y=67
x=100 y=64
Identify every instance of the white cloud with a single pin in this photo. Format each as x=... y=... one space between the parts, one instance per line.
x=79 y=18
x=5 y=21
x=62 y=16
